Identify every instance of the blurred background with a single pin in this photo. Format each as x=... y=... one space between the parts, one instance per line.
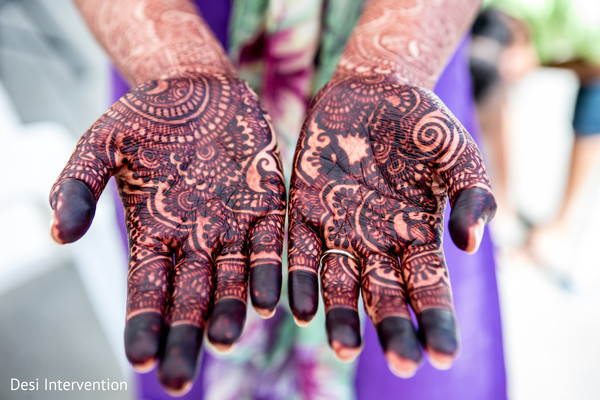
x=62 y=307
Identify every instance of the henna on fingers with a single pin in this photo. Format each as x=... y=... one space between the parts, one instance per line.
x=200 y=179
x=340 y=297
x=377 y=159
x=375 y=164
x=199 y=175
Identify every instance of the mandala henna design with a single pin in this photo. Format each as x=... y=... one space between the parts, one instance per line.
x=375 y=164
x=200 y=179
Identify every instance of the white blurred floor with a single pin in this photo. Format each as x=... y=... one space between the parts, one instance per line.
x=551 y=328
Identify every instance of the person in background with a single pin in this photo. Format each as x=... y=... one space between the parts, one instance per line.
x=198 y=171
x=510 y=39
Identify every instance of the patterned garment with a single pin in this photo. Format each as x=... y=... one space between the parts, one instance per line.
x=274 y=44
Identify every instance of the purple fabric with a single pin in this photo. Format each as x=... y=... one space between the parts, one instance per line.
x=478 y=372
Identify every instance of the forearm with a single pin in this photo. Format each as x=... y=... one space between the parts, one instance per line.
x=150 y=39
x=411 y=40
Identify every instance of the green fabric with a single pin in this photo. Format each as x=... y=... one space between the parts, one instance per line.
x=562 y=30
x=339 y=19
x=246 y=21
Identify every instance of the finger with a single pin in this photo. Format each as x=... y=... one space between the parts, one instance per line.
x=428 y=285
x=266 y=245
x=177 y=367
x=304 y=250
x=74 y=206
x=385 y=302
x=472 y=210
x=340 y=278
x=439 y=333
x=147 y=285
x=192 y=287
x=462 y=168
x=74 y=195
x=231 y=291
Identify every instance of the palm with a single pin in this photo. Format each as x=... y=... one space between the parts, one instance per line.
x=373 y=169
x=200 y=179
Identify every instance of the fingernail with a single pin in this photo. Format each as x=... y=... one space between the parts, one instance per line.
x=440 y=336
x=440 y=360
x=179 y=392
x=344 y=353
x=300 y=322
x=54 y=230
x=475 y=236
x=343 y=331
x=145 y=367
x=264 y=313
x=401 y=367
x=223 y=348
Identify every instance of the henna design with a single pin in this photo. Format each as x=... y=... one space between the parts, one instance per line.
x=150 y=39
x=200 y=178
x=375 y=164
x=377 y=157
x=409 y=40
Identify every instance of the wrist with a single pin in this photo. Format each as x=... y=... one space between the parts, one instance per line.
x=176 y=60
x=409 y=42
x=153 y=39
x=397 y=73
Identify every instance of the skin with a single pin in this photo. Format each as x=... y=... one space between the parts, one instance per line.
x=378 y=157
x=199 y=175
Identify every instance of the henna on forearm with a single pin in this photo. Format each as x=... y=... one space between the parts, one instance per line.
x=410 y=40
x=151 y=39
x=199 y=175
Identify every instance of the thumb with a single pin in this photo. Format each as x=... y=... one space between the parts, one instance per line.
x=74 y=195
x=472 y=209
x=469 y=190
x=74 y=206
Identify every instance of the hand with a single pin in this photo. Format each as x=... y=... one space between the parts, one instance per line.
x=374 y=166
x=200 y=179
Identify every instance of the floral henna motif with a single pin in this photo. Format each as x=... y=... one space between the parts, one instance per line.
x=200 y=179
x=375 y=164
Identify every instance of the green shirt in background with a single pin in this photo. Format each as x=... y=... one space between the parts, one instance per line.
x=562 y=30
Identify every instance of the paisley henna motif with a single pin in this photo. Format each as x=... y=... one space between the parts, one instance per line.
x=200 y=178
x=377 y=158
x=375 y=164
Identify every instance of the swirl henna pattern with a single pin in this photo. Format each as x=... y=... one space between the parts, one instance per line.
x=407 y=39
x=375 y=164
x=201 y=183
